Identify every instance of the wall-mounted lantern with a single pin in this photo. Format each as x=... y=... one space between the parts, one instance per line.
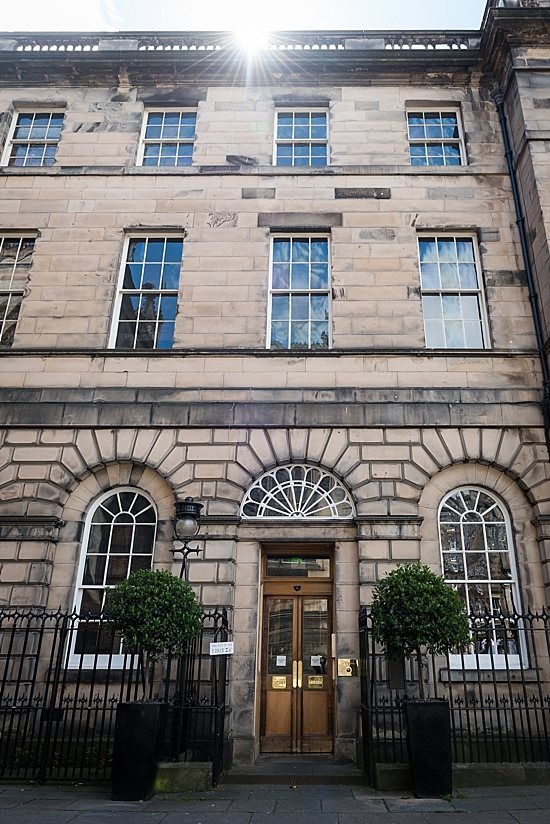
x=186 y=527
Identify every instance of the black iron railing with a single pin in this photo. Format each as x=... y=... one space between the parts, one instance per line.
x=62 y=676
x=498 y=690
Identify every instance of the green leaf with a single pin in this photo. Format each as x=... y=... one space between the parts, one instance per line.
x=413 y=607
x=155 y=611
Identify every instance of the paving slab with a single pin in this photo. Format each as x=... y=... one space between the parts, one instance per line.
x=471 y=818
x=532 y=817
x=353 y=805
x=418 y=805
x=48 y=817
x=103 y=817
x=509 y=803
x=203 y=818
x=385 y=818
x=301 y=818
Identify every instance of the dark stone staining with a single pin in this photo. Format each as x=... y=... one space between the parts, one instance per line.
x=300 y=220
x=298 y=99
x=367 y=106
x=121 y=97
x=541 y=102
x=348 y=194
x=235 y=106
x=242 y=160
x=377 y=234
x=126 y=122
x=413 y=292
x=172 y=97
x=505 y=278
x=488 y=235
x=218 y=169
x=250 y=194
x=454 y=193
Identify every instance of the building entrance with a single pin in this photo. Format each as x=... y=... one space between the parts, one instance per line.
x=297 y=668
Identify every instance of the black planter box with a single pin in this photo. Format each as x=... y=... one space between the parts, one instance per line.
x=428 y=727
x=139 y=734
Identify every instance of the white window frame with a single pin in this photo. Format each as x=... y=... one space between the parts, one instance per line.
x=10 y=141
x=153 y=235
x=297 y=110
x=143 y=142
x=459 y=141
x=480 y=291
x=8 y=289
x=100 y=660
x=327 y=291
x=497 y=661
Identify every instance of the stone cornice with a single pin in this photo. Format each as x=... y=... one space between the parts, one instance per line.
x=30 y=528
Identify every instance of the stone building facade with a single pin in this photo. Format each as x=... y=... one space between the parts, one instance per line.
x=319 y=153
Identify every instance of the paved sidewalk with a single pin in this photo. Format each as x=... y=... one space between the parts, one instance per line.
x=271 y=804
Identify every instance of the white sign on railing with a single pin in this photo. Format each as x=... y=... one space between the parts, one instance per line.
x=222 y=648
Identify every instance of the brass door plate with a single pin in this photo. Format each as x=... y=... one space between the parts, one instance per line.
x=315 y=682
x=278 y=682
x=347 y=667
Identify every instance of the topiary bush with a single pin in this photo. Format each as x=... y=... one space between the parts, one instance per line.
x=154 y=611
x=412 y=608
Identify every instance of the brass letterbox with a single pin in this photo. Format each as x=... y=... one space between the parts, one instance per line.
x=278 y=682
x=315 y=682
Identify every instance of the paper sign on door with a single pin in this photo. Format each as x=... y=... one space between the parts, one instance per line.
x=315 y=660
x=281 y=660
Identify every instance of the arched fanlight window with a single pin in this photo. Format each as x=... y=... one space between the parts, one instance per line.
x=476 y=550
x=297 y=491
x=478 y=561
x=119 y=538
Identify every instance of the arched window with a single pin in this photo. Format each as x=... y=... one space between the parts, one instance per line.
x=478 y=561
x=297 y=491
x=119 y=538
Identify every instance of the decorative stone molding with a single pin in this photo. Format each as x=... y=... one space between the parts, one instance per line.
x=30 y=528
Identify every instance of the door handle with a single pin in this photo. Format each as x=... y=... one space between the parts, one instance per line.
x=299 y=675
x=294 y=675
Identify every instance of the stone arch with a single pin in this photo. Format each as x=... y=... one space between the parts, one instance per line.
x=513 y=498
x=85 y=492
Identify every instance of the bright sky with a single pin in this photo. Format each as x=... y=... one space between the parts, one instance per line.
x=224 y=15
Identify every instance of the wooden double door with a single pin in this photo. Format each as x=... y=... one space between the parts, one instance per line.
x=297 y=668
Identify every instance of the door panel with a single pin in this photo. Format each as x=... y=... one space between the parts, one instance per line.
x=297 y=678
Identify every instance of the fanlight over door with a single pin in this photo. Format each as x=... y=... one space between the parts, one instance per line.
x=297 y=491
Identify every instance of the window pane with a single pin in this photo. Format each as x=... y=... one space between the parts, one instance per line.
x=281 y=250
x=300 y=250
x=429 y=275
x=279 y=335
x=428 y=250
x=431 y=305
x=299 y=335
x=319 y=335
x=435 y=338
x=281 y=275
x=449 y=276
x=117 y=569
x=280 y=307
x=144 y=539
x=454 y=334
x=94 y=570
x=319 y=307
x=300 y=276
x=299 y=307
